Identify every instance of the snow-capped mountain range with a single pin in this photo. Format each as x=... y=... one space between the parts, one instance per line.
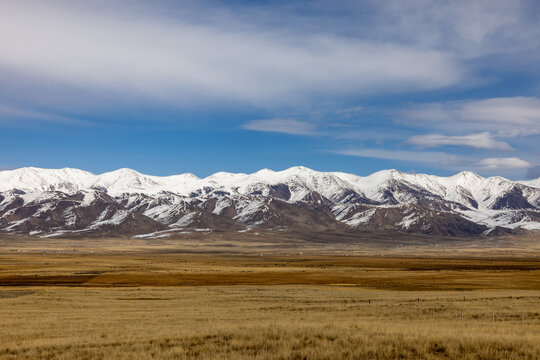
x=62 y=202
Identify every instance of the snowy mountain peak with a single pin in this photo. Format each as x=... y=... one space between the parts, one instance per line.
x=467 y=175
x=47 y=173
x=127 y=180
x=189 y=175
x=264 y=172
x=380 y=178
x=533 y=183
x=297 y=197
x=37 y=179
x=124 y=181
x=299 y=170
x=466 y=179
x=125 y=172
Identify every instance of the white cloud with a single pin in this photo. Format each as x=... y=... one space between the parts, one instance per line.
x=287 y=126
x=510 y=116
x=350 y=110
x=442 y=159
x=470 y=29
x=119 y=52
x=14 y=115
x=401 y=155
x=503 y=163
x=479 y=141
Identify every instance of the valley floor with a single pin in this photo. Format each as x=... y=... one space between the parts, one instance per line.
x=109 y=302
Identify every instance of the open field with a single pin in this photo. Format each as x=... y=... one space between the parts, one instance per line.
x=139 y=302
x=264 y=243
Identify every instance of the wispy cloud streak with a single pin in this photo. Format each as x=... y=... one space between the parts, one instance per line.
x=508 y=116
x=401 y=155
x=287 y=126
x=13 y=115
x=503 y=163
x=479 y=141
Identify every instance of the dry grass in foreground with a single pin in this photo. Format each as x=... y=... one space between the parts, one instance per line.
x=216 y=307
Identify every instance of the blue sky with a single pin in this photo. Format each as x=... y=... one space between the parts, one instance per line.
x=168 y=87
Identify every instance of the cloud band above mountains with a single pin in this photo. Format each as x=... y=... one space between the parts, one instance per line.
x=450 y=84
x=130 y=52
x=480 y=141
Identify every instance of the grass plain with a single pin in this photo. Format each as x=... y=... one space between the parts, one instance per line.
x=120 y=299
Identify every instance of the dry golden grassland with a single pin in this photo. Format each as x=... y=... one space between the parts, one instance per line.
x=143 y=305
